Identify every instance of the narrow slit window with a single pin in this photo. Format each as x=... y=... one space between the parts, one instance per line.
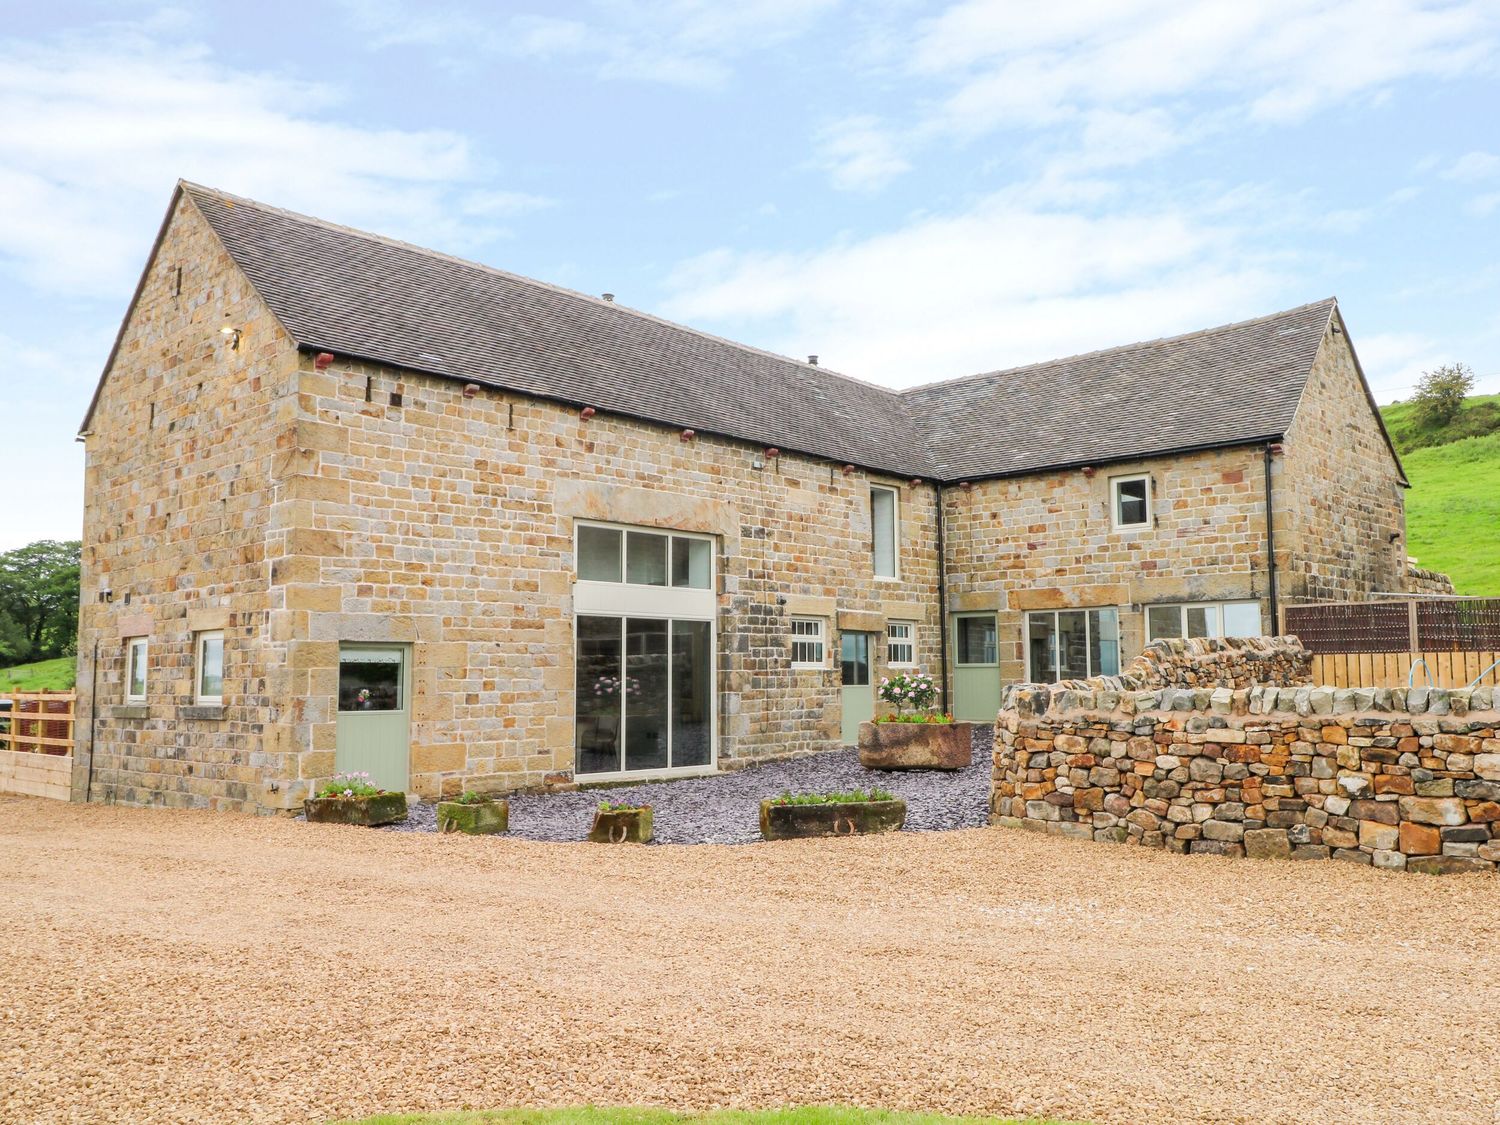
x=883 y=525
x=135 y=670
x=209 y=680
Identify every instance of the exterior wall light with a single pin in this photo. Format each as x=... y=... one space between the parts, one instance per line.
x=234 y=337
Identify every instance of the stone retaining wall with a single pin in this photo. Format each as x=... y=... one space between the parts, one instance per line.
x=1232 y=662
x=1398 y=778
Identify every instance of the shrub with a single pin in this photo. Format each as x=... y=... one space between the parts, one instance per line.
x=909 y=689
x=469 y=797
x=853 y=796
x=934 y=717
x=1441 y=392
x=621 y=806
x=349 y=785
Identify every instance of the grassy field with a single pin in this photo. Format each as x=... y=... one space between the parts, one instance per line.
x=45 y=675
x=1453 y=507
x=804 y=1115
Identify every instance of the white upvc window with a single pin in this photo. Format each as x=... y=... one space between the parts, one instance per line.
x=809 y=646
x=654 y=573
x=135 y=669
x=901 y=644
x=1130 y=501
x=1072 y=644
x=208 y=668
x=885 y=529
x=1203 y=619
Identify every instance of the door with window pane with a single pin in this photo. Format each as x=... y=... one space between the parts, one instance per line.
x=857 y=690
x=976 y=668
x=373 y=730
x=644 y=694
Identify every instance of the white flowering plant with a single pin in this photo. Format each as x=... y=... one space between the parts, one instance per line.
x=355 y=784
x=914 y=691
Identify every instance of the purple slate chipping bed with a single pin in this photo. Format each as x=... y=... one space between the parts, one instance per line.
x=725 y=808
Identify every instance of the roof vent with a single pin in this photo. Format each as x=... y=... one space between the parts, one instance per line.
x=812 y=359
x=610 y=297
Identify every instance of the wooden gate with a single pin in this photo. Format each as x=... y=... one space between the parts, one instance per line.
x=36 y=743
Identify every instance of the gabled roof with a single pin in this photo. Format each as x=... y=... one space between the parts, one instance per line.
x=1232 y=385
x=366 y=297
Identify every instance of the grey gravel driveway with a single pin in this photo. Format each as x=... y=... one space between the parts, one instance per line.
x=725 y=808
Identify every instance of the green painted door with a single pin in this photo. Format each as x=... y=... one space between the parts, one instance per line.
x=858 y=691
x=976 y=668
x=374 y=721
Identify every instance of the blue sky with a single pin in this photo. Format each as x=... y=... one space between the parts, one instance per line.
x=913 y=191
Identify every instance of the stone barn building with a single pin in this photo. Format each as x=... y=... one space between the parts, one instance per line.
x=353 y=504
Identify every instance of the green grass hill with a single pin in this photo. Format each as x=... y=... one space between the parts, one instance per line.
x=44 y=675
x=1453 y=507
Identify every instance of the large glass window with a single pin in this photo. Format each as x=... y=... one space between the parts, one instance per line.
x=209 y=682
x=644 y=694
x=900 y=645
x=692 y=562
x=135 y=670
x=1130 y=501
x=599 y=553
x=807 y=643
x=883 y=524
x=1203 y=619
x=1072 y=644
x=644 y=558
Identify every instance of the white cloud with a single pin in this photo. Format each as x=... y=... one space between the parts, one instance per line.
x=93 y=134
x=1473 y=166
x=858 y=154
x=1011 y=281
x=1394 y=361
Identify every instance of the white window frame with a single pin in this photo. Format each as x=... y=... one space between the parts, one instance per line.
x=818 y=637
x=198 y=644
x=892 y=641
x=1114 y=501
x=1088 y=635
x=1182 y=609
x=132 y=644
x=895 y=576
x=596 y=598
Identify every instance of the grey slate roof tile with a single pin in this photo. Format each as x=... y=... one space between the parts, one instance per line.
x=374 y=298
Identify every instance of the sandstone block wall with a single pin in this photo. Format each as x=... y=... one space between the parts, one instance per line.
x=1390 y=777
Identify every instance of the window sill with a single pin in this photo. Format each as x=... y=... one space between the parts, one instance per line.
x=130 y=711
x=205 y=711
x=810 y=668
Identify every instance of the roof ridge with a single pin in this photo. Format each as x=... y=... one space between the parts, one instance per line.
x=1332 y=302
x=235 y=200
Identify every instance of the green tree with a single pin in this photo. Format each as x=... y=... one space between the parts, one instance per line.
x=1440 y=394
x=14 y=643
x=39 y=596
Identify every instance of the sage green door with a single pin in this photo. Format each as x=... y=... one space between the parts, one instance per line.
x=976 y=668
x=374 y=720
x=858 y=691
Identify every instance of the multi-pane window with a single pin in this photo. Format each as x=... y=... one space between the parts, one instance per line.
x=644 y=558
x=1130 y=501
x=1072 y=644
x=1204 y=619
x=209 y=663
x=808 y=648
x=135 y=670
x=883 y=524
x=900 y=643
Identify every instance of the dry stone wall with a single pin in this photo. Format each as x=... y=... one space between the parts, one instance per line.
x=1398 y=778
x=1232 y=662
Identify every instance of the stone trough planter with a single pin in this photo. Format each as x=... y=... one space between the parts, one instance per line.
x=366 y=812
x=477 y=818
x=916 y=746
x=850 y=818
x=621 y=826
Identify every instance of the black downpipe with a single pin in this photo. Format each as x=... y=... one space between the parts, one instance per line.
x=88 y=785
x=942 y=585
x=1271 y=549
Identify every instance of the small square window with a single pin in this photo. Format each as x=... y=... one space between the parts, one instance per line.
x=209 y=680
x=135 y=670
x=1130 y=501
x=808 y=649
x=900 y=643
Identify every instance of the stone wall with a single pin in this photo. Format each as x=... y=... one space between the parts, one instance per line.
x=1232 y=662
x=1398 y=778
x=1420 y=580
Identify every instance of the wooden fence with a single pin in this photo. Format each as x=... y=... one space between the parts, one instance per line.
x=1395 y=669
x=36 y=743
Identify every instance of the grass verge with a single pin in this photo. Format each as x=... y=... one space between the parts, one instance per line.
x=45 y=675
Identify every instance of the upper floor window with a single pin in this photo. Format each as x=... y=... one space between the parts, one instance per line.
x=1205 y=619
x=808 y=647
x=1072 y=644
x=209 y=678
x=884 y=520
x=644 y=558
x=1130 y=500
x=135 y=670
x=900 y=643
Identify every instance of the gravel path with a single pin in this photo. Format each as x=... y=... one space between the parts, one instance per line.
x=173 y=966
x=725 y=808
